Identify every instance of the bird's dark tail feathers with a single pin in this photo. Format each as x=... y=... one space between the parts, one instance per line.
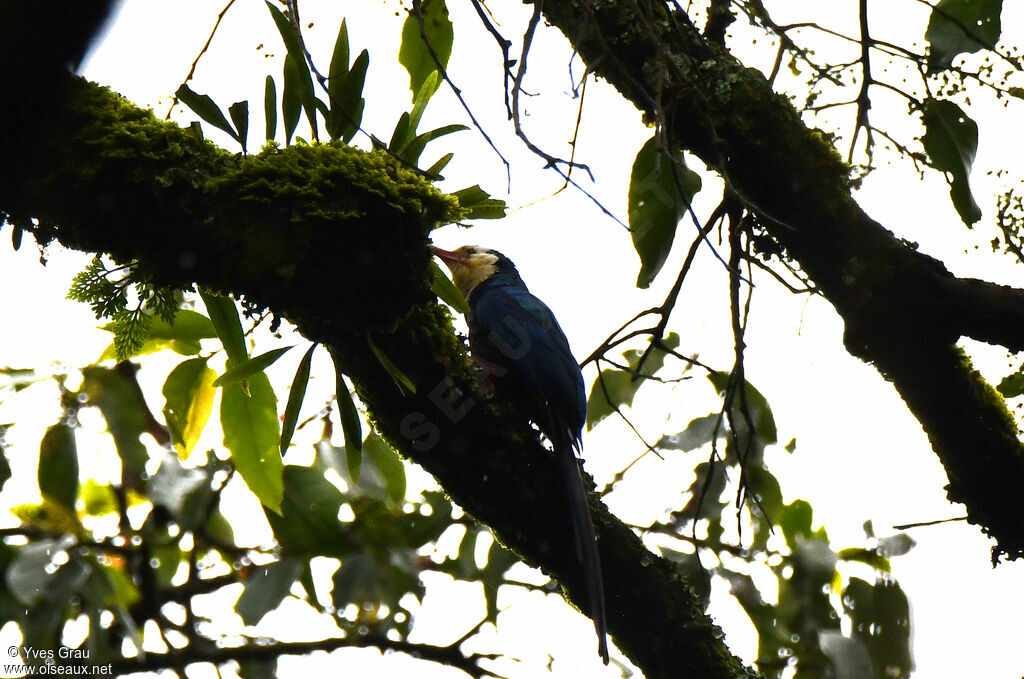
x=586 y=546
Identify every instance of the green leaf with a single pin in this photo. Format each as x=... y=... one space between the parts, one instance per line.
x=1012 y=385
x=414 y=54
x=880 y=620
x=397 y=375
x=699 y=431
x=182 y=336
x=757 y=406
x=339 y=58
x=479 y=203
x=266 y=588
x=291 y=41
x=616 y=388
x=185 y=492
x=308 y=522
x=224 y=316
x=295 y=396
x=865 y=556
x=97 y=498
x=346 y=100
x=411 y=153
x=795 y=520
x=298 y=82
x=58 y=465
x=249 y=367
x=434 y=170
x=205 y=108
x=350 y=425
x=961 y=26
x=5 y=468
x=239 y=112
x=951 y=140
x=188 y=394
x=291 y=100
x=446 y=290
x=124 y=408
x=382 y=466
x=660 y=191
x=251 y=434
x=270 y=107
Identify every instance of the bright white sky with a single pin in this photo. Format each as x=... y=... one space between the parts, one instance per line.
x=860 y=455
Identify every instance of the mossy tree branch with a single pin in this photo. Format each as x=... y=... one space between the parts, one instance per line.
x=903 y=310
x=336 y=241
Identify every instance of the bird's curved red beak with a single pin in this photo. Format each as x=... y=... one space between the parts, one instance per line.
x=447 y=256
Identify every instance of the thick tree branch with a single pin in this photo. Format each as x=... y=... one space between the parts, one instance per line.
x=903 y=310
x=336 y=240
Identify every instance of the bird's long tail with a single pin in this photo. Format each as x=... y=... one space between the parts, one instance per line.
x=586 y=545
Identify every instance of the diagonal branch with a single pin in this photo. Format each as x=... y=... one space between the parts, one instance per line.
x=903 y=310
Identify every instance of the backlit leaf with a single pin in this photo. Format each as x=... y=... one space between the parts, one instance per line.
x=951 y=140
x=295 y=397
x=479 y=203
x=266 y=588
x=414 y=54
x=270 y=107
x=224 y=316
x=660 y=191
x=446 y=290
x=308 y=522
x=397 y=375
x=249 y=367
x=616 y=388
x=205 y=108
x=252 y=435
x=188 y=394
x=961 y=26
x=239 y=112
x=58 y=465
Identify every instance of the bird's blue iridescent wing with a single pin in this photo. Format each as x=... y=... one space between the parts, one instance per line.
x=514 y=330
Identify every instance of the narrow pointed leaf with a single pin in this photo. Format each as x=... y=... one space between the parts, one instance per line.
x=188 y=393
x=411 y=153
x=291 y=100
x=295 y=396
x=350 y=425
x=348 y=104
x=339 y=60
x=442 y=162
x=239 y=112
x=660 y=191
x=446 y=290
x=291 y=40
x=204 y=107
x=270 y=107
x=249 y=367
x=224 y=316
x=396 y=374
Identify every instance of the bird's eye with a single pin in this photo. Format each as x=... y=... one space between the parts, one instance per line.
x=470 y=251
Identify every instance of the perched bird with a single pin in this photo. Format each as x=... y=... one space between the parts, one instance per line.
x=516 y=338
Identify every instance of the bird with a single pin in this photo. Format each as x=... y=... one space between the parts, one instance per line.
x=515 y=337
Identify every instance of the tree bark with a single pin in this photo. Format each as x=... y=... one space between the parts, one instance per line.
x=903 y=310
